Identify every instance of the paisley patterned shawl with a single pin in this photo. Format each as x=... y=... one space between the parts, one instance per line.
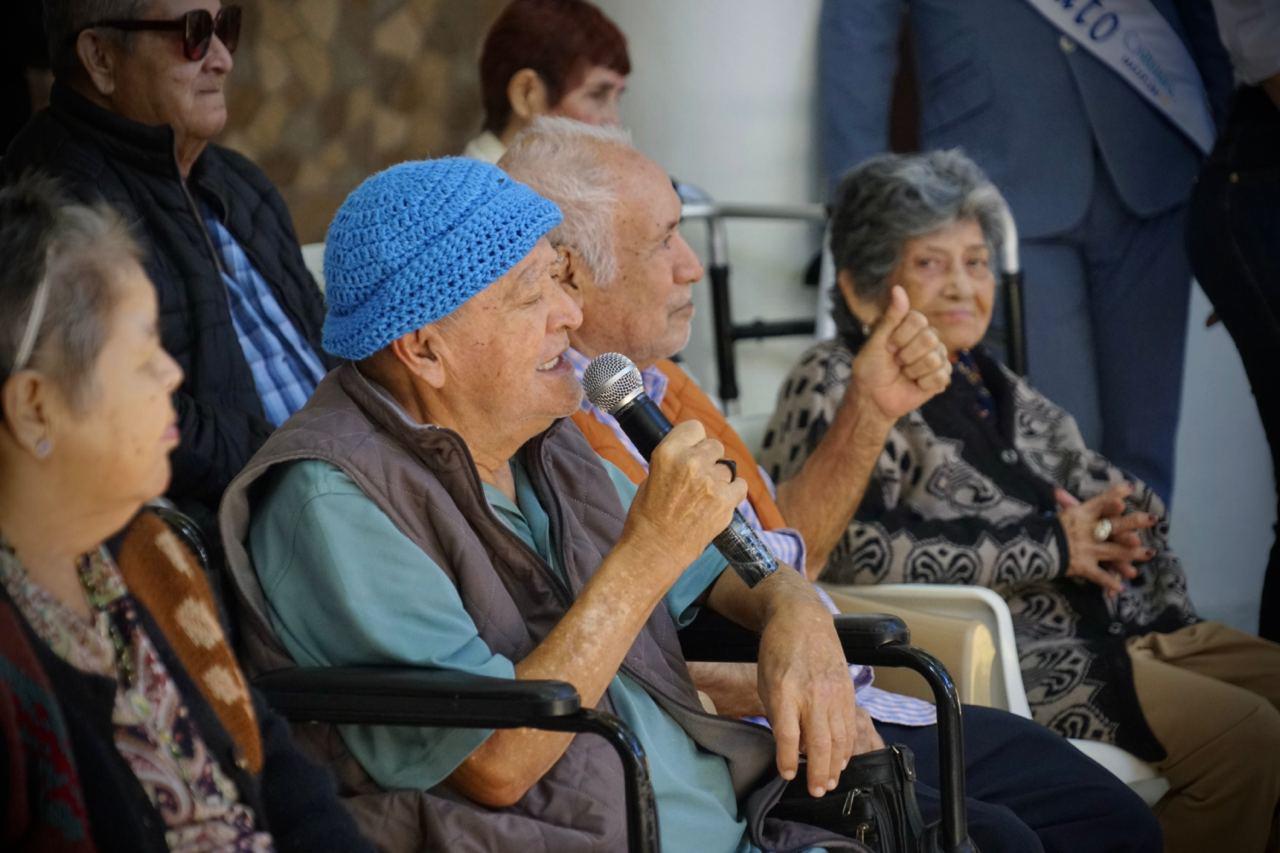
x=200 y=806
x=960 y=499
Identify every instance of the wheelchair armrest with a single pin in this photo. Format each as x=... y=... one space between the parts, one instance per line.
x=875 y=639
x=864 y=632
x=413 y=696
x=712 y=637
x=410 y=696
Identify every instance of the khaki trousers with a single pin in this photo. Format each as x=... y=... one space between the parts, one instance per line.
x=1211 y=695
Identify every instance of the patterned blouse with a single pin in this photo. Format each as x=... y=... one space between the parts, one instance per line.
x=200 y=806
x=963 y=492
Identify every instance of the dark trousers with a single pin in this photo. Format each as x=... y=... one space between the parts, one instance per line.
x=1030 y=790
x=1234 y=242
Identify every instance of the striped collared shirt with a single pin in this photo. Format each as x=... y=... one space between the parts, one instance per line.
x=788 y=546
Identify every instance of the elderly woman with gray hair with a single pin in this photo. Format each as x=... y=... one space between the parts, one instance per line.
x=990 y=483
x=125 y=723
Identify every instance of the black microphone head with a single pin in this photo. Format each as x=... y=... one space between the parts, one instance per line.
x=611 y=381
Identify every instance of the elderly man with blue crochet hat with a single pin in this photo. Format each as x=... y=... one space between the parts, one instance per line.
x=432 y=506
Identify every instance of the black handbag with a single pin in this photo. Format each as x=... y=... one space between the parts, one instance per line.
x=874 y=803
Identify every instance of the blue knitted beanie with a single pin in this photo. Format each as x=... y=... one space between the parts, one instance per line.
x=414 y=242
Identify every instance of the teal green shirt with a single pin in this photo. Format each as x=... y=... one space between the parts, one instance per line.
x=345 y=586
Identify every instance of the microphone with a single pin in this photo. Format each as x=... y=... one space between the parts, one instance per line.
x=613 y=385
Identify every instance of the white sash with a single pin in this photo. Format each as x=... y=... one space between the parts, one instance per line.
x=1135 y=41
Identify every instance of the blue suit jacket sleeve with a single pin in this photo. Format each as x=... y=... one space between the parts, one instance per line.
x=857 y=58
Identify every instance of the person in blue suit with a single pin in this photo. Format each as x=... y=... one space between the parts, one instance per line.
x=1097 y=179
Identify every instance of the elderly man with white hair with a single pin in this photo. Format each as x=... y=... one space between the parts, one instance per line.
x=627 y=265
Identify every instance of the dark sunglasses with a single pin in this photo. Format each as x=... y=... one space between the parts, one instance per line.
x=198 y=27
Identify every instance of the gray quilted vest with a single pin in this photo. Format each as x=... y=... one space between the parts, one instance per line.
x=423 y=478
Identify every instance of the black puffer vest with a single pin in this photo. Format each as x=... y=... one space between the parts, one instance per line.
x=98 y=155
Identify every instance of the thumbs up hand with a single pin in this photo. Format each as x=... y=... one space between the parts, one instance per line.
x=903 y=364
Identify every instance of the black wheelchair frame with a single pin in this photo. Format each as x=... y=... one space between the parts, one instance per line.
x=412 y=696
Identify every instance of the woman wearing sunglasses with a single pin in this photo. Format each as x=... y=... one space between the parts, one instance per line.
x=139 y=95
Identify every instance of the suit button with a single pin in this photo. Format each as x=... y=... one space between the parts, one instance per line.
x=1009 y=456
x=1115 y=629
x=1067 y=45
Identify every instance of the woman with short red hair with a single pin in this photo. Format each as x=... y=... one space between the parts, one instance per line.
x=548 y=57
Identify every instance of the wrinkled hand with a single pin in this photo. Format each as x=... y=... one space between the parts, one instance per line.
x=808 y=695
x=868 y=738
x=903 y=364
x=686 y=500
x=1109 y=563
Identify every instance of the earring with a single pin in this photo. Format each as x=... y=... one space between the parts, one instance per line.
x=43 y=448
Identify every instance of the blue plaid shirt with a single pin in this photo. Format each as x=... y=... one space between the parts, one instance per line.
x=285 y=367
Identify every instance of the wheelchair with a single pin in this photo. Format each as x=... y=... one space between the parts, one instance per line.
x=414 y=696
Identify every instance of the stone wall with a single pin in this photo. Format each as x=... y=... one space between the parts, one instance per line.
x=324 y=93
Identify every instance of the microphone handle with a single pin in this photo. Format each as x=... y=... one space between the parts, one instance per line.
x=646 y=426
x=644 y=423
x=749 y=556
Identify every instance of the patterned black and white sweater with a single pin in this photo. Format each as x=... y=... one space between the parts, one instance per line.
x=959 y=498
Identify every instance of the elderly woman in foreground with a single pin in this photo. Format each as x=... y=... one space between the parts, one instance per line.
x=125 y=723
x=990 y=483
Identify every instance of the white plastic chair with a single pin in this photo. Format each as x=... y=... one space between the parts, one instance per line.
x=982 y=605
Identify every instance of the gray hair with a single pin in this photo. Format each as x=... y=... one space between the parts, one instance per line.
x=65 y=19
x=57 y=285
x=560 y=159
x=889 y=199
